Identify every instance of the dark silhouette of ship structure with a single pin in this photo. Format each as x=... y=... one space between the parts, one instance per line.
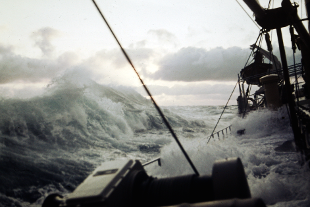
x=126 y=183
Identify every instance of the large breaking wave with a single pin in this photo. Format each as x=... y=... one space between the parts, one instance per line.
x=52 y=142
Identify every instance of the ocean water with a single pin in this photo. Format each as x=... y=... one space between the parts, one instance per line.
x=52 y=142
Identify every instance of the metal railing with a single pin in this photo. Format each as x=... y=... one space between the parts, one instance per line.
x=291 y=70
x=220 y=132
x=223 y=132
x=154 y=160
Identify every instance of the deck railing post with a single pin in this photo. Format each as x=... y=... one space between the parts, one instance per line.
x=291 y=103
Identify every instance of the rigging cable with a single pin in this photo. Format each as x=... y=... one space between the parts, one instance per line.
x=271 y=30
x=151 y=97
x=222 y=112
x=269 y=4
x=252 y=52
x=260 y=33
x=301 y=9
x=248 y=14
x=295 y=73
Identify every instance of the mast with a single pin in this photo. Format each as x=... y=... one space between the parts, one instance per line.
x=276 y=19
x=280 y=17
x=307 y=4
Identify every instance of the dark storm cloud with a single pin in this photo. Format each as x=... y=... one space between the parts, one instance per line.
x=189 y=89
x=197 y=64
x=43 y=38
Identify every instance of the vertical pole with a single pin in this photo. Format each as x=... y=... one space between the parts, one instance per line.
x=294 y=119
x=243 y=100
x=307 y=4
x=297 y=23
x=243 y=93
x=240 y=98
x=239 y=85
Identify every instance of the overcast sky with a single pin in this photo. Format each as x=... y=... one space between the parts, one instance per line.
x=187 y=52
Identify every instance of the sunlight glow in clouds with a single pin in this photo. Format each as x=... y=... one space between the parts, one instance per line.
x=189 y=52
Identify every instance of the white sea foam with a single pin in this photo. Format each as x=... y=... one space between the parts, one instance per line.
x=61 y=136
x=277 y=177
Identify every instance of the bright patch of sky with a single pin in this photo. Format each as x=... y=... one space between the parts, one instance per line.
x=185 y=50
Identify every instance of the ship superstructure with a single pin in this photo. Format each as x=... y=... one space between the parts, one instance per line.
x=279 y=84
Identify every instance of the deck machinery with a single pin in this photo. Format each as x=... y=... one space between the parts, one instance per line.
x=277 y=82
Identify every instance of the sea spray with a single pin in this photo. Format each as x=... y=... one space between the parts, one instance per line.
x=50 y=143
x=275 y=176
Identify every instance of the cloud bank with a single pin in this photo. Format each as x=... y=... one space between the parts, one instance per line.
x=193 y=64
x=201 y=93
x=188 y=71
x=197 y=64
x=190 y=88
x=15 y=67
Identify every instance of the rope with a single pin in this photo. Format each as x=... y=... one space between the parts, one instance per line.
x=247 y=14
x=150 y=95
x=260 y=41
x=260 y=33
x=301 y=9
x=269 y=4
x=222 y=112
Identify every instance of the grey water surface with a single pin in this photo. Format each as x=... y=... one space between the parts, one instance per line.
x=52 y=142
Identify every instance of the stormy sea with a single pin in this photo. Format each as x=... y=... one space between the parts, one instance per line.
x=52 y=142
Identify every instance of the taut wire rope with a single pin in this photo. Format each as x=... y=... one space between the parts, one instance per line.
x=247 y=14
x=150 y=95
x=223 y=111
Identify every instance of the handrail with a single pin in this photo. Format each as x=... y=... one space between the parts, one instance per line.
x=218 y=132
x=154 y=160
x=273 y=71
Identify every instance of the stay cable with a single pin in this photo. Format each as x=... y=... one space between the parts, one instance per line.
x=150 y=95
